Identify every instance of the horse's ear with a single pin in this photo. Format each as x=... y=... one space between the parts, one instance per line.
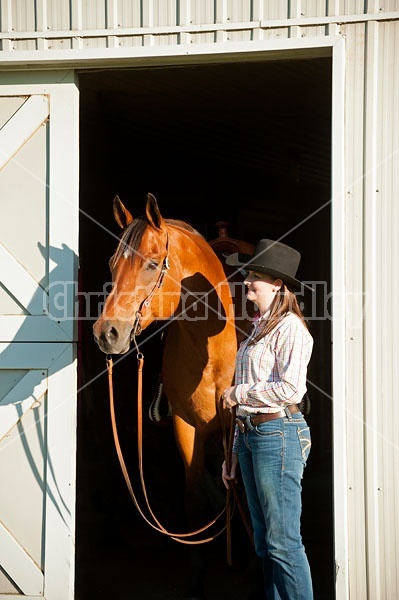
x=121 y=214
x=152 y=211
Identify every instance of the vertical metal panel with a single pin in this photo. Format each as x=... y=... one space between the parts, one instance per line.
x=56 y=17
x=273 y=10
x=354 y=461
x=76 y=21
x=313 y=8
x=6 y=23
x=372 y=141
x=165 y=12
x=58 y=14
x=237 y=11
x=372 y=282
x=381 y=211
x=294 y=13
x=338 y=317
x=129 y=13
x=23 y=15
x=93 y=14
x=202 y=12
x=333 y=9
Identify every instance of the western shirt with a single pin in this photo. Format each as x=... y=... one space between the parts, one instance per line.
x=271 y=373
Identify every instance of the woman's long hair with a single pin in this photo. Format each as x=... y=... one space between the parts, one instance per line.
x=284 y=303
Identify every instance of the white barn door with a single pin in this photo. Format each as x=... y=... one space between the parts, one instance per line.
x=38 y=335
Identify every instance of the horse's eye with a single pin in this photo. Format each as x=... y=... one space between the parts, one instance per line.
x=152 y=265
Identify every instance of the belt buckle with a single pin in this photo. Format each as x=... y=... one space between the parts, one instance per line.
x=244 y=424
x=248 y=423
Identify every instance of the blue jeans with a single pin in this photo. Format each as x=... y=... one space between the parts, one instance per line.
x=272 y=458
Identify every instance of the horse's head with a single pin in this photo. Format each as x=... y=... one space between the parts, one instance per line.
x=140 y=271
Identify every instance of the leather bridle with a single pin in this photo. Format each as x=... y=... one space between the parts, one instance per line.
x=137 y=329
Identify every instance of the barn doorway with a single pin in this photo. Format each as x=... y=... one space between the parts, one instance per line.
x=244 y=142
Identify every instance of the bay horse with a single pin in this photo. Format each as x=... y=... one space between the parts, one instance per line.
x=165 y=270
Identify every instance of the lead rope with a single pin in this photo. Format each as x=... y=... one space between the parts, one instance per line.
x=178 y=537
x=228 y=449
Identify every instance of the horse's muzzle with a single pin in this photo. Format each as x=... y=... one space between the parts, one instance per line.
x=109 y=338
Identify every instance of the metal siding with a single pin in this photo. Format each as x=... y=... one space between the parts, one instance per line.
x=202 y=12
x=129 y=13
x=354 y=461
x=237 y=11
x=23 y=15
x=58 y=15
x=93 y=14
x=313 y=8
x=90 y=24
x=272 y=10
x=372 y=142
x=95 y=42
x=338 y=308
x=239 y=36
x=350 y=7
x=165 y=12
x=382 y=451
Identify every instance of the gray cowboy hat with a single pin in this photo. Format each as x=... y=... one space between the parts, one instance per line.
x=272 y=258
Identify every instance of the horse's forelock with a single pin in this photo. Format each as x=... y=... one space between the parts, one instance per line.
x=132 y=236
x=130 y=239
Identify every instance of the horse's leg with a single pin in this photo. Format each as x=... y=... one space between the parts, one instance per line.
x=192 y=453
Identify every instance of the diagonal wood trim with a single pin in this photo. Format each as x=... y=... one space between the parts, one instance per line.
x=21 y=284
x=19 y=566
x=22 y=126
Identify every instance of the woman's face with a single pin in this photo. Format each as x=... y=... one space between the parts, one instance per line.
x=262 y=289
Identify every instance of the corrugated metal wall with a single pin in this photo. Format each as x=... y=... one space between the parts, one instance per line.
x=372 y=160
x=370 y=523
x=28 y=25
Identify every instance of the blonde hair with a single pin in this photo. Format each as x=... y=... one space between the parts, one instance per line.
x=284 y=303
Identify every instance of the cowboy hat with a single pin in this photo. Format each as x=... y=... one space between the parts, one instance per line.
x=272 y=258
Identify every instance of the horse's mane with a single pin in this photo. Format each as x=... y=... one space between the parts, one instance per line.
x=131 y=237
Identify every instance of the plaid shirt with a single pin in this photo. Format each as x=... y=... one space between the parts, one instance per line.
x=271 y=373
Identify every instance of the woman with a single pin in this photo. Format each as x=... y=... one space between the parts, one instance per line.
x=271 y=438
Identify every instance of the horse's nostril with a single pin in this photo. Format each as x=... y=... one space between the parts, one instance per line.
x=112 y=334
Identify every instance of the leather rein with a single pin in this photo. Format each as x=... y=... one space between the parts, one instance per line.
x=155 y=524
x=183 y=538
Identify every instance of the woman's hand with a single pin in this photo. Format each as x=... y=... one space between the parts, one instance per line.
x=229 y=397
x=228 y=477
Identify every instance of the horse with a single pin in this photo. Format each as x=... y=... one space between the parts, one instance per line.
x=164 y=270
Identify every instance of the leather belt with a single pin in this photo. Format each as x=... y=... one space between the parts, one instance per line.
x=250 y=422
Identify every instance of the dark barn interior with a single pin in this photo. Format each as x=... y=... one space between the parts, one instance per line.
x=245 y=142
